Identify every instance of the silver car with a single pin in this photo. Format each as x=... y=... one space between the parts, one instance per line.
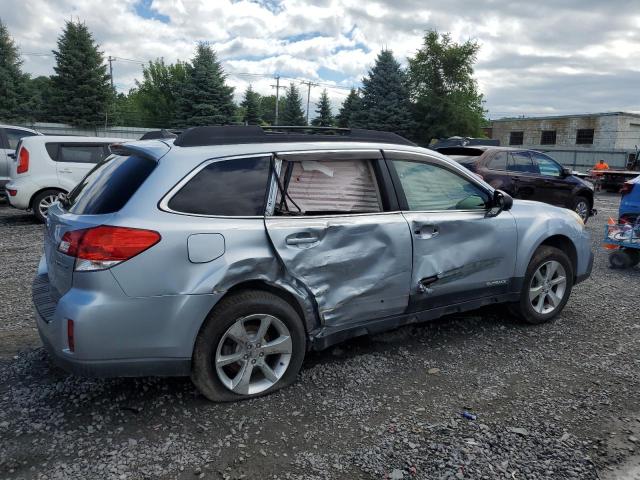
x=227 y=253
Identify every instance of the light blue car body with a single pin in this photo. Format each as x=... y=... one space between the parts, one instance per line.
x=142 y=316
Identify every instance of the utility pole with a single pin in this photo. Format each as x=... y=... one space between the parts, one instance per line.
x=309 y=84
x=277 y=87
x=110 y=60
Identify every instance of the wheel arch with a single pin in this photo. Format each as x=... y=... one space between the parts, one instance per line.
x=38 y=192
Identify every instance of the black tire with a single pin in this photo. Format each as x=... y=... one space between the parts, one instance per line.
x=578 y=205
x=524 y=308
x=620 y=259
x=38 y=200
x=635 y=256
x=223 y=316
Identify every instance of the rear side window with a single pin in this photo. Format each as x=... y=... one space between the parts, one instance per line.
x=521 y=162
x=499 y=161
x=77 y=153
x=235 y=187
x=109 y=185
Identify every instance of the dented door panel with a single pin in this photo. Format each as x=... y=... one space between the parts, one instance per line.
x=356 y=266
x=460 y=256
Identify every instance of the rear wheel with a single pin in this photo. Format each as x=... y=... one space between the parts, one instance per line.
x=620 y=259
x=42 y=202
x=582 y=207
x=547 y=286
x=253 y=343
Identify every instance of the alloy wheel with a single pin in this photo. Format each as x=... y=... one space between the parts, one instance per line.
x=548 y=287
x=253 y=354
x=582 y=209
x=46 y=203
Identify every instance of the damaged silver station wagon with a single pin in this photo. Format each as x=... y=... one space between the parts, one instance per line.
x=228 y=252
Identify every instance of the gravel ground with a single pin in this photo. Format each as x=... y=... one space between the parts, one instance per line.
x=553 y=401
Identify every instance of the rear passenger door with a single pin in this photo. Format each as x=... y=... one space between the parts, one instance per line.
x=337 y=230
x=459 y=253
x=524 y=175
x=74 y=160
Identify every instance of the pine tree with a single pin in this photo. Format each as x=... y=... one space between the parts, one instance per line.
x=385 y=98
x=12 y=80
x=80 y=89
x=349 y=108
x=446 y=95
x=205 y=98
x=325 y=117
x=292 y=113
x=251 y=106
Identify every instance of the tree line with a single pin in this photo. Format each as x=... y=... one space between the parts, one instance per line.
x=435 y=96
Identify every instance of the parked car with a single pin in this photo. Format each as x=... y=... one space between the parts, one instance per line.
x=9 y=138
x=43 y=167
x=629 y=211
x=528 y=175
x=229 y=252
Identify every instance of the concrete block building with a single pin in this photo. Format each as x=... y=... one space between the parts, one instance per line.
x=575 y=140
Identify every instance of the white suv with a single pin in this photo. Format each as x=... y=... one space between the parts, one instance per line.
x=9 y=138
x=43 y=167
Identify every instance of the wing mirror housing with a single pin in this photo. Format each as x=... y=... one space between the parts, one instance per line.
x=501 y=202
x=566 y=171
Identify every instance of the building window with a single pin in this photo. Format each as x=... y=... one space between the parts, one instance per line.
x=584 y=136
x=516 y=138
x=548 y=137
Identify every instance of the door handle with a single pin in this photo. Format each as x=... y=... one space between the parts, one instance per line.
x=65 y=170
x=301 y=240
x=427 y=231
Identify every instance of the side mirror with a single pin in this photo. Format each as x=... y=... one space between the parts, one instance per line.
x=12 y=155
x=566 y=171
x=502 y=201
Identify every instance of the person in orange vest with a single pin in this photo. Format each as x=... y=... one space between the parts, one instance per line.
x=597 y=170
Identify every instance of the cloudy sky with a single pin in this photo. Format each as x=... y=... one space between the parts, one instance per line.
x=537 y=57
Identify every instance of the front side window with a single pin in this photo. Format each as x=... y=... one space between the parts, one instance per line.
x=430 y=187
x=327 y=188
x=234 y=187
x=546 y=166
x=14 y=136
x=499 y=161
x=521 y=162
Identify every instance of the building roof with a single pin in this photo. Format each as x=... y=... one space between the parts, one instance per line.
x=577 y=115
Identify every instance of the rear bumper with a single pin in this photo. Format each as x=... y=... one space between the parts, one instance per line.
x=25 y=190
x=116 y=335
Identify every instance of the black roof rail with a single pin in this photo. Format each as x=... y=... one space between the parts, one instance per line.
x=235 y=134
x=159 y=134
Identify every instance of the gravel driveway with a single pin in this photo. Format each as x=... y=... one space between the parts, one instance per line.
x=553 y=401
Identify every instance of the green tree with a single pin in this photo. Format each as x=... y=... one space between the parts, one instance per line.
x=443 y=89
x=385 y=101
x=37 y=99
x=12 y=80
x=349 y=108
x=251 y=105
x=268 y=109
x=80 y=88
x=325 y=117
x=292 y=113
x=156 y=96
x=205 y=98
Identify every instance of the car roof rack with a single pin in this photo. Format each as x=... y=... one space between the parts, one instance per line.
x=160 y=134
x=235 y=134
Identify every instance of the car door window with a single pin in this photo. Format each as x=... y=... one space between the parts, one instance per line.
x=14 y=135
x=499 y=161
x=546 y=165
x=82 y=153
x=327 y=187
x=429 y=187
x=521 y=162
x=234 y=187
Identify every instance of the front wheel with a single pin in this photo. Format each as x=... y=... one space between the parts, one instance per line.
x=582 y=207
x=546 y=287
x=253 y=343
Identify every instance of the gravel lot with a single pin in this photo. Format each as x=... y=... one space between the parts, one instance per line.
x=554 y=401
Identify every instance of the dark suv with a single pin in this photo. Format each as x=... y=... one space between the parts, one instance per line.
x=528 y=175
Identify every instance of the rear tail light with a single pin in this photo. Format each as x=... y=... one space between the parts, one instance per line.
x=103 y=247
x=626 y=188
x=23 y=161
x=71 y=341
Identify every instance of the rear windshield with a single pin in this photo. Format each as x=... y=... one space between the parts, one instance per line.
x=109 y=185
